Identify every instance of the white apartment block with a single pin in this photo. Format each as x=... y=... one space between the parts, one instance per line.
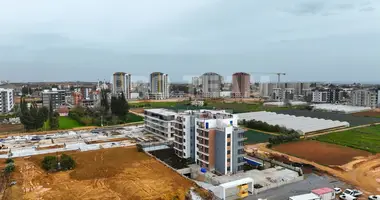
x=367 y=98
x=320 y=96
x=210 y=138
x=6 y=100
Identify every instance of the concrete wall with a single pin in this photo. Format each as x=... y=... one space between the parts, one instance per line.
x=220 y=156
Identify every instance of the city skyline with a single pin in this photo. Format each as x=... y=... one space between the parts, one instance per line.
x=309 y=40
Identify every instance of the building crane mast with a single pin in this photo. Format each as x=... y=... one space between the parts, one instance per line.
x=279 y=74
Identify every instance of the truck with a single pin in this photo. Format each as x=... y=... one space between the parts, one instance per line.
x=325 y=193
x=309 y=196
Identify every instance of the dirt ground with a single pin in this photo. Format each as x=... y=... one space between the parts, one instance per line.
x=137 y=110
x=323 y=153
x=361 y=171
x=107 y=174
x=9 y=128
x=372 y=113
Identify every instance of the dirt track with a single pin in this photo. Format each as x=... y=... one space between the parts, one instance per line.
x=362 y=172
x=119 y=173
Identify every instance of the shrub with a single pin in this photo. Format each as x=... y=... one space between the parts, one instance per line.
x=50 y=163
x=9 y=168
x=66 y=162
x=9 y=160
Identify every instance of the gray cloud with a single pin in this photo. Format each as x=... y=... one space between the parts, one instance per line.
x=56 y=40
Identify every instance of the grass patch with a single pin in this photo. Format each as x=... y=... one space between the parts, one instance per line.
x=367 y=138
x=254 y=137
x=68 y=123
x=134 y=118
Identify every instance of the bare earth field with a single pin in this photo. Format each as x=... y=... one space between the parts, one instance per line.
x=322 y=153
x=10 y=128
x=107 y=174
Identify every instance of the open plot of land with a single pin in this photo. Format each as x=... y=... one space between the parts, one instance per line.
x=367 y=114
x=366 y=138
x=119 y=173
x=254 y=137
x=11 y=128
x=68 y=123
x=353 y=120
x=322 y=153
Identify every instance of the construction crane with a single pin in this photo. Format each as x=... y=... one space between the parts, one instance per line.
x=275 y=73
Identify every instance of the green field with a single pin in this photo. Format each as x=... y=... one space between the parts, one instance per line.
x=254 y=137
x=68 y=123
x=134 y=118
x=367 y=138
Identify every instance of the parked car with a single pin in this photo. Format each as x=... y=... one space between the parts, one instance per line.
x=347 y=197
x=337 y=190
x=355 y=193
x=374 y=197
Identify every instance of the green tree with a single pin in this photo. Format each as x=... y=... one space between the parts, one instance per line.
x=120 y=107
x=45 y=113
x=9 y=168
x=50 y=163
x=54 y=121
x=67 y=162
x=9 y=160
x=104 y=101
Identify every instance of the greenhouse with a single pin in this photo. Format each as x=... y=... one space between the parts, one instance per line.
x=340 y=108
x=303 y=125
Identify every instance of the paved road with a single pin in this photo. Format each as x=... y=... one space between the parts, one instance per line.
x=311 y=181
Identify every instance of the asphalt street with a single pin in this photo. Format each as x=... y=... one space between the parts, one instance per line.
x=311 y=181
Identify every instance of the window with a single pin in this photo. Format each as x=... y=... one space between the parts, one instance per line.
x=228 y=168
x=228 y=159
x=228 y=135
x=229 y=152
x=228 y=143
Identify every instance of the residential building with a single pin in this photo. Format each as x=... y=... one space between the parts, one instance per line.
x=266 y=89
x=159 y=122
x=241 y=85
x=364 y=97
x=6 y=100
x=219 y=143
x=159 y=86
x=320 y=96
x=122 y=84
x=55 y=96
x=210 y=138
x=211 y=85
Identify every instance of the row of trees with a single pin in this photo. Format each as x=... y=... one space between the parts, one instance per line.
x=284 y=138
x=263 y=126
x=34 y=118
x=111 y=111
x=54 y=163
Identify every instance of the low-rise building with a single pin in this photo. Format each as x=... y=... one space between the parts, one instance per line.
x=6 y=100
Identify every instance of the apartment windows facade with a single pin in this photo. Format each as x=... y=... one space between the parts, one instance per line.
x=367 y=98
x=160 y=122
x=54 y=96
x=6 y=100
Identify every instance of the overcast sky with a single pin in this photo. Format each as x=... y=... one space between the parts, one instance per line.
x=310 y=40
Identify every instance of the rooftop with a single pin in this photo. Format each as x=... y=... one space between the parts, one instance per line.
x=322 y=191
x=305 y=196
x=161 y=111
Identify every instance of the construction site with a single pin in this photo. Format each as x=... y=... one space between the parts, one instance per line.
x=116 y=173
x=85 y=140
